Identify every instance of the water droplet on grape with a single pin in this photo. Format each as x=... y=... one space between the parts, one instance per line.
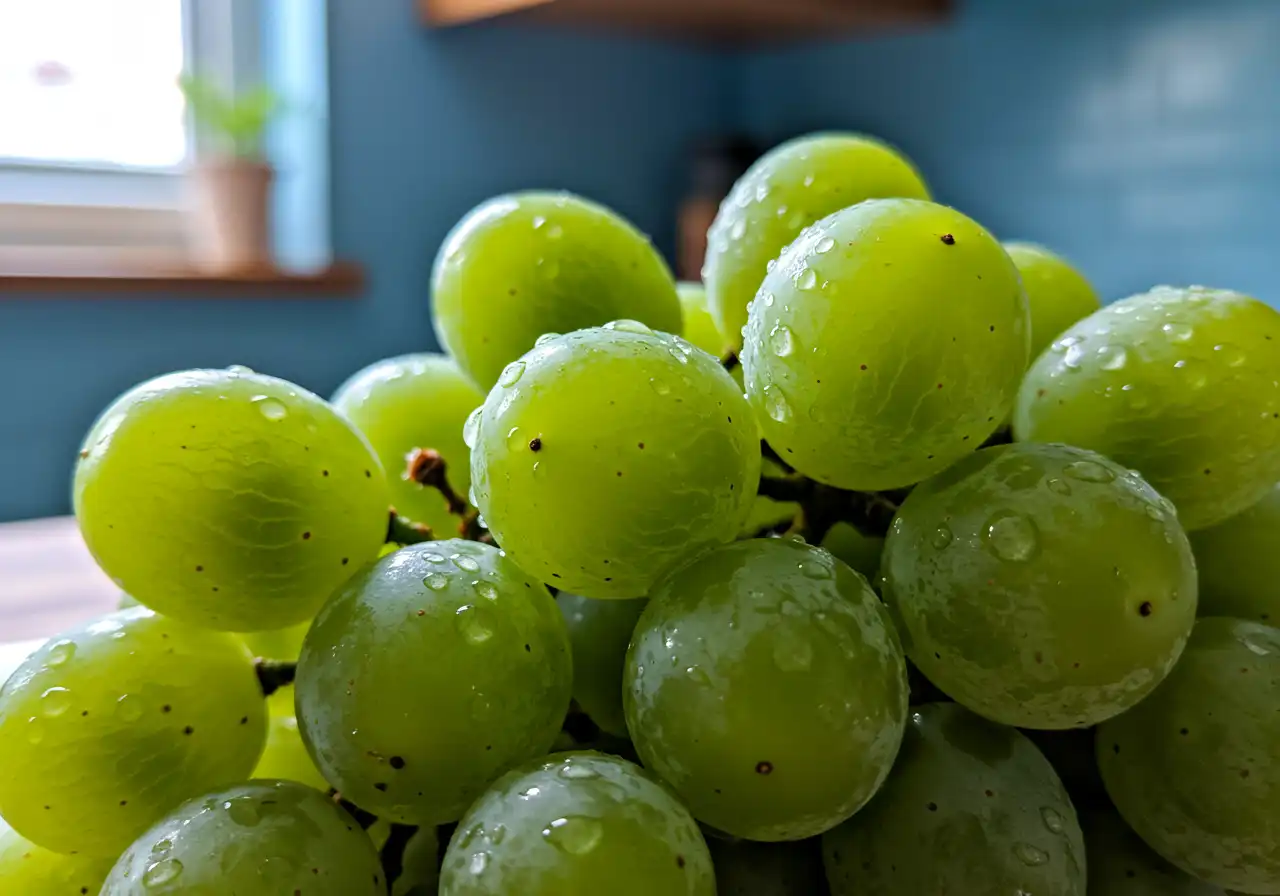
x=129 y=708
x=554 y=232
x=628 y=326
x=161 y=873
x=1053 y=820
x=436 y=581
x=1057 y=486
x=60 y=652
x=660 y=386
x=762 y=192
x=35 y=731
x=54 y=702
x=486 y=590
x=1175 y=332
x=1088 y=471
x=544 y=339
x=575 y=771
x=770 y=265
x=498 y=834
x=1255 y=648
x=479 y=862
x=270 y=408
x=466 y=563
x=244 y=811
x=515 y=441
x=1112 y=357
x=239 y=370
x=511 y=374
x=1071 y=360
x=768 y=300
x=538 y=221
x=471 y=429
x=775 y=404
x=738 y=230
x=1154 y=513
x=808 y=180
x=942 y=537
x=433 y=558
x=781 y=341
x=1011 y=536
x=807 y=279
x=473 y=627
x=1231 y=355
x=163 y=845
x=576 y=835
x=1030 y=855
x=825 y=245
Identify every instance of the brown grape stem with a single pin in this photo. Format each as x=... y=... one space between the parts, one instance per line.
x=274 y=674
x=392 y=854
x=730 y=361
x=402 y=530
x=427 y=468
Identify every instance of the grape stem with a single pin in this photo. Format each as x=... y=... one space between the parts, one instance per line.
x=274 y=674
x=392 y=853
x=730 y=361
x=402 y=530
x=427 y=468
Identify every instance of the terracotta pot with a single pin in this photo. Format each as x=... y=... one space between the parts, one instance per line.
x=230 y=215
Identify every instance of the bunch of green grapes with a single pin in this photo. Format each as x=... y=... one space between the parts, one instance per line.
x=599 y=632
x=577 y=823
x=1239 y=565
x=1181 y=384
x=1194 y=770
x=521 y=265
x=263 y=838
x=886 y=344
x=1058 y=295
x=765 y=684
x=109 y=726
x=428 y=675
x=229 y=499
x=971 y=807
x=1041 y=585
x=30 y=870
x=789 y=188
x=605 y=457
x=410 y=402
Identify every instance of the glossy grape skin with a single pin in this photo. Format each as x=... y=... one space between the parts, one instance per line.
x=1182 y=385
x=524 y=264
x=699 y=327
x=285 y=756
x=1041 y=586
x=747 y=868
x=110 y=725
x=410 y=402
x=428 y=675
x=1194 y=770
x=1239 y=563
x=766 y=685
x=1120 y=864
x=1057 y=294
x=577 y=824
x=786 y=190
x=886 y=344
x=599 y=632
x=30 y=870
x=646 y=452
x=971 y=807
x=263 y=838
x=229 y=499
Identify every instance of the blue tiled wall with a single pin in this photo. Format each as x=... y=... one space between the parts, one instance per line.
x=1141 y=137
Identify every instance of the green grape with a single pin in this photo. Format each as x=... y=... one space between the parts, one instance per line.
x=263 y=838
x=886 y=344
x=766 y=513
x=861 y=552
x=668 y=465
x=765 y=684
x=1193 y=768
x=1181 y=384
x=699 y=328
x=599 y=631
x=420 y=865
x=1239 y=564
x=1040 y=585
x=285 y=756
x=30 y=870
x=971 y=807
x=745 y=868
x=788 y=189
x=1120 y=864
x=1057 y=294
x=110 y=725
x=278 y=644
x=410 y=402
x=577 y=824
x=428 y=675
x=228 y=499
x=521 y=265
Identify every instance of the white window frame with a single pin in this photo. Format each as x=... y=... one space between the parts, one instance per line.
x=50 y=208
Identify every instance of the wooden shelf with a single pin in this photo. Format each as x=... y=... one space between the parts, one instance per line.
x=105 y=277
x=735 y=21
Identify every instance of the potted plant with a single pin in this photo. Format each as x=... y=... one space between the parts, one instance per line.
x=230 y=212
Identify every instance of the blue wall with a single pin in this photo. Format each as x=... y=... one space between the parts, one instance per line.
x=425 y=125
x=1140 y=137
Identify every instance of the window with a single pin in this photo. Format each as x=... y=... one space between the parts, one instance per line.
x=95 y=134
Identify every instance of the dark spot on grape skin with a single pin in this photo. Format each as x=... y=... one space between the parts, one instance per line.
x=1244 y=773
x=679 y=861
x=535 y=444
x=527 y=649
x=933 y=807
x=1039 y=658
x=990 y=793
x=306 y=536
x=199 y=569
x=1115 y=748
x=188 y=731
x=1184 y=732
x=368 y=475
x=396 y=762
x=1145 y=608
x=166 y=708
x=244 y=720
x=764 y=768
x=380 y=787
x=422 y=612
x=324 y=473
x=641 y=445
x=862 y=366
x=948 y=239
x=992 y=328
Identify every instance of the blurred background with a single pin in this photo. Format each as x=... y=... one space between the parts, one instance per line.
x=1140 y=138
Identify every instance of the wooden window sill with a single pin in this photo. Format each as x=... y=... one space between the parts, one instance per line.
x=128 y=277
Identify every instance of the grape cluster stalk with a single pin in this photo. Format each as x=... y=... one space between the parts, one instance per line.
x=887 y=560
